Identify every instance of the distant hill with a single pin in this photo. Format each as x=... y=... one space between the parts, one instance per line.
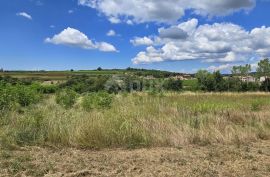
x=62 y=75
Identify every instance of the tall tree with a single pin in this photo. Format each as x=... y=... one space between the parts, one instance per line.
x=241 y=70
x=264 y=68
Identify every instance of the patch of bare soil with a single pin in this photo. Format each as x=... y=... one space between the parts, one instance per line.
x=215 y=160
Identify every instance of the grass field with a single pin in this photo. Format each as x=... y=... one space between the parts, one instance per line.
x=139 y=120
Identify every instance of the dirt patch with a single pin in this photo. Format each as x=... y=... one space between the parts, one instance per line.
x=215 y=160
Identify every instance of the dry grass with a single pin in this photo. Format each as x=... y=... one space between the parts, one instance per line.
x=190 y=160
x=189 y=134
x=142 y=120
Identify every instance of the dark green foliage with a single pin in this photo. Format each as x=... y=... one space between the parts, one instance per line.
x=100 y=100
x=173 y=85
x=210 y=82
x=47 y=89
x=99 y=69
x=265 y=86
x=154 y=73
x=84 y=83
x=66 y=98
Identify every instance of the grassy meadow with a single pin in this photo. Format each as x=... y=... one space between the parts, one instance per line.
x=142 y=120
x=138 y=125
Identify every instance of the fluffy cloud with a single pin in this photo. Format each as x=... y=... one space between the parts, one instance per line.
x=168 y=11
x=111 y=33
x=141 y=41
x=25 y=15
x=75 y=38
x=224 y=67
x=219 y=42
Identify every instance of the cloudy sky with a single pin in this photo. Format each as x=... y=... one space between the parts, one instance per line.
x=174 y=35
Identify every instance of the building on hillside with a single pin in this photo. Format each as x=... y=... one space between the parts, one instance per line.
x=181 y=77
x=150 y=77
x=263 y=78
x=248 y=79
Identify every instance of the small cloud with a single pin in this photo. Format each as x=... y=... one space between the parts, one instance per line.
x=39 y=3
x=111 y=33
x=129 y=22
x=25 y=15
x=52 y=26
x=114 y=20
x=71 y=11
x=137 y=41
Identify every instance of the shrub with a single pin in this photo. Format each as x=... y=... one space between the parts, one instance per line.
x=98 y=100
x=66 y=98
x=47 y=89
x=84 y=83
x=173 y=85
x=7 y=98
x=26 y=95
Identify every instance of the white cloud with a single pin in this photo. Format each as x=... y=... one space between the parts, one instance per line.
x=169 y=11
x=141 y=41
x=75 y=38
x=39 y=3
x=219 y=42
x=111 y=33
x=24 y=14
x=70 y=11
x=224 y=67
x=114 y=20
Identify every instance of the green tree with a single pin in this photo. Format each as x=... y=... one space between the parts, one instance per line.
x=263 y=70
x=173 y=85
x=99 y=69
x=241 y=70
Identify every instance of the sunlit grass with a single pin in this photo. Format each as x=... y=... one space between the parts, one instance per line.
x=143 y=120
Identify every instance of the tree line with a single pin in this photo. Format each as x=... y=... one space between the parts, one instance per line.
x=216 y=82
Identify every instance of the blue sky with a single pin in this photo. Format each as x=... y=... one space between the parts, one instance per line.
x=169 y=35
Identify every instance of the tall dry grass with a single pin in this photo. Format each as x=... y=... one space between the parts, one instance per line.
x=140 y=119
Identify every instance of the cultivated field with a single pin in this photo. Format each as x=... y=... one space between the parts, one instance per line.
x=186 y=134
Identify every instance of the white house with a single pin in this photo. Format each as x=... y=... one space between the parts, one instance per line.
x=263 y=78
x=248 y=79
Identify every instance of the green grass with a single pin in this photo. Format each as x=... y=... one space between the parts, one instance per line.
x=190 y=85
x=143 y=120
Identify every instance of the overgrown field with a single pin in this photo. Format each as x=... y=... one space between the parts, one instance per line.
x=139 y=120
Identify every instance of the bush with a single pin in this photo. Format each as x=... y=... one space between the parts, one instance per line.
x=84 y=83
x=173 y=85
x=66 y=98
x=47 y=89
x=26 y=95
x=100 y=100
x=7 y=98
